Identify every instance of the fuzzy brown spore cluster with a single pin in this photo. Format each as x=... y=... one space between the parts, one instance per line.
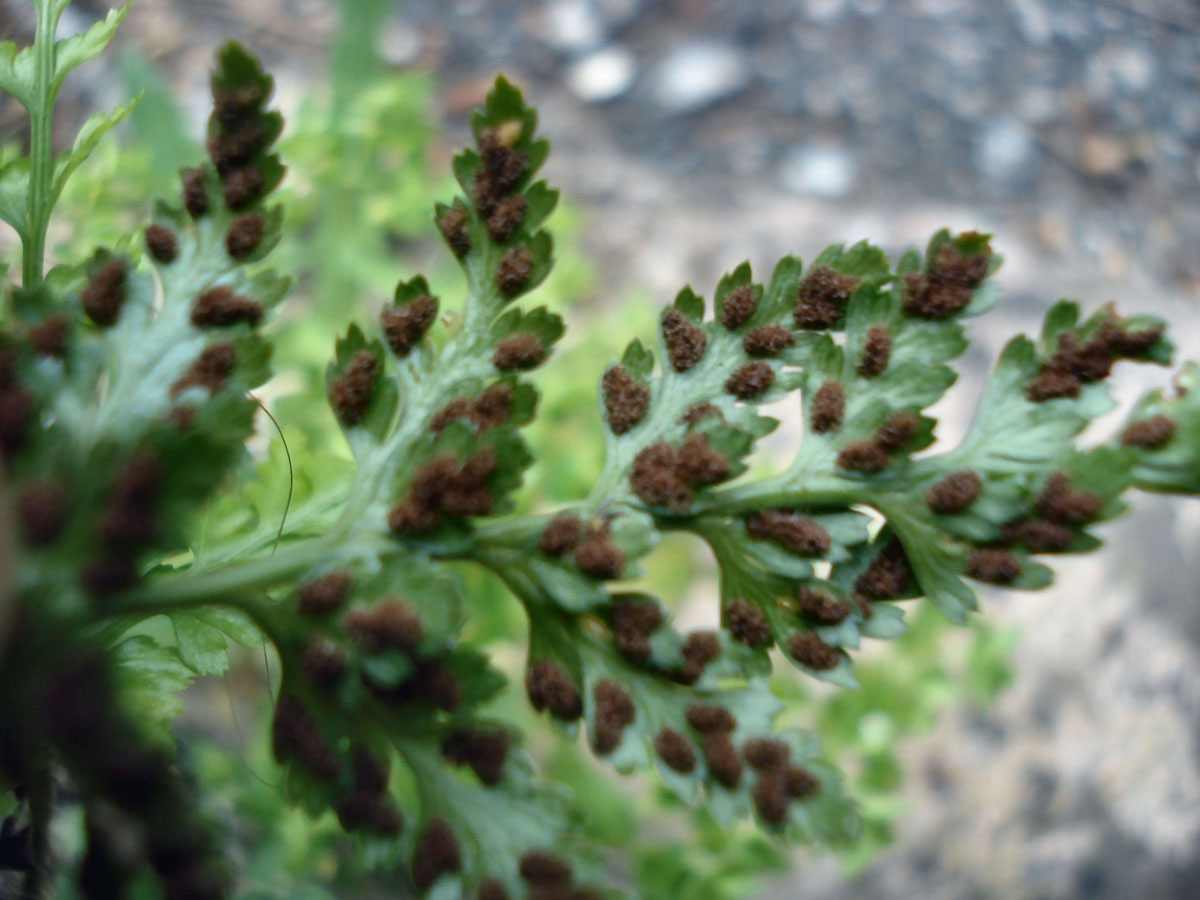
x=626 y=400
x=49 y=336
x=665 y=476
x=296 y=735
x=161 y=243
x=685 y=340
x=954 y=492
x=820 y=606
x=739 y=306
x=386 y=625
x=42 y=512
x=720 y=756
x=445 y=486
x=827 y=407
x=221 y=306
x=994 y=565
x=406 y=323
x=489 y=409
x=550 y=877
x=550 y=687
x=323 y=662
x=506 y=217
x=888 y=574
x=699 y=649
x=614 y=712
x=210 y=370
x=779 y=781
x=105 y=292
x=128 y=524
x=798 y=533
x=871 y=456
x=948 y=283
x=748 y=624
x=1076 y=362
x=483 y=749
x=822 y=297
x=750 y=380
x=1062 y=502
x=699 y=412
x=523 y=351
x=435 y=854
x=674 y=749
x=807 y=648
x=324 y=594
x=244 y=235
x=560 y=534
x=238 y=136
x=597 y=555
x=632 y=621
x=455 y=228
x=767 y=340
x=1151 y=433
x=194 y=192
x=514 y=270
x=504 y=166
x=876 y=352
x=350 y=392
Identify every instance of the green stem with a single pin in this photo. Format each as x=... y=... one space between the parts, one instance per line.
x=41 y=119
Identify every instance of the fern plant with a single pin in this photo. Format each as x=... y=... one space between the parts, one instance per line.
x=130 y=500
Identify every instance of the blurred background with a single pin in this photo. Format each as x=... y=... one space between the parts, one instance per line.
x=1050 y=751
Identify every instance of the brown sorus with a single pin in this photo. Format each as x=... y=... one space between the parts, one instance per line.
x=821 y=606
x=1149 y=433
x=406 y=323
x=631 y=622
x=436 y=854
x=699 y=649
x=436 y=684
x=696 y=462
x=675 y=750
x=221 y=305
x=324 y=594
x=560 y=534
x=800 y=782
x=390 y=624
x=888 y=574
x=1067 y=505
x=541 y=868
x=948 y=284
x=364 y=811
x=444 y=485
x=809 y=650
x=370 y=772
x=161 y=243
x=129 y=521
x=897 y=430
x=767 y=340
x=876 y=351
x=104 y=294
x=42 y=511
x=484 y=193
x=1041 y=536
x=954 y=492
x=828 y=405
x=323 y=662
x=1137 y=342
x=750 y=379
x=1052 y=384
x=294 y=733
x=455 y=230
x=748 y=624
x=598 y=556
x=244 y=235
x=491 y=889
x=350 y=392
x=697 y=413
x=491 y=408
x=504 y=163
x=720 y=756
x=656 y=480
x=236 y=144
x=822 y=296
x=771 y=797
x=514 y=270
x=195 y=194
x=707 y=717
x=49 y=337
x=483 y=749
x=863 y=456
x=614 y=711
x=994 y=565
x=523 y=350
x=764 y=754
x=242 y=187
x=108 y=575
x=210 y=369
x=550 y=687
x=739 y=306
x=506 y=216
x=458 y=408
x=626 y=400
x=798 y=533
x=685 y=341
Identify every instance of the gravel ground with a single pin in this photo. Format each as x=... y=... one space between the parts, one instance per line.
x=695 y=134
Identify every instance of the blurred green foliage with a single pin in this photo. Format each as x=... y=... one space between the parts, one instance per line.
x=362 y=153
